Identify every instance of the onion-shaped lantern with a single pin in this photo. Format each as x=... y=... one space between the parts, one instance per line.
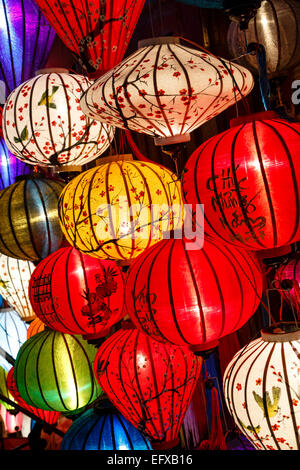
x=10 y=166
x=29 y=224
x=149 y=382
x=120 y=208
x=14 y=281
x=276 y=27
x=54 y=371
x=166 y=90
x=103 y=429
x=261 y=388
x=35 y=326
x=43 y=123
x=4 y=391
x=77 y=294
x=13 y=333
x=248 y=180
x=192 y=297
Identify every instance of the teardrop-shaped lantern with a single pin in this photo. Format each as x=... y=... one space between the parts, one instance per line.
x=10 y=166
x=13 y=333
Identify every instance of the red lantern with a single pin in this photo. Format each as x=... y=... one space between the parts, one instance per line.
x=248 y=180
x=49 y=417
x=74 y=293
x=98 y=33
x=192 y=297
x=150 y=383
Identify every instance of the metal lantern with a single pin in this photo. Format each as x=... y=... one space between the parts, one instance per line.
x=13 y=333
x=167 y=90
x=261 y=388
x=43 y=123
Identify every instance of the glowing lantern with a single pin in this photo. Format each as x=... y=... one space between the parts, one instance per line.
x=10 y=166
x=54 y=371
x=4 y=390
x=36 y=326
x=192 y=297
x=44 y=125
x=14 y=281
x=150 y=383
x=77 y=294
x=121 y=208
x=29 y=225
x=261 y=387
x=13 y=422
x=13 y=333
x=97 y=33
x=289 y=271
x=103 y=429
x=166 y=90
x=248 y=180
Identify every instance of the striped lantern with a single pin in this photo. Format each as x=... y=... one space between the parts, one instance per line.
x=35 y=326
x=166 y=89
x=150 y=383
x=44 y=125
x=4 y=391
x=29 y=225
x=261 y=388
x=248 y=179
x=192 y=296
x=289 y=271
x=77 y=294
x=14 y=281
x=120 y=208
x=10 y=166
x=13 y=333
x=54 y=371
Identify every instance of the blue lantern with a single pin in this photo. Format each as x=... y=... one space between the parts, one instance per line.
x=13 y=333
x=10 y=166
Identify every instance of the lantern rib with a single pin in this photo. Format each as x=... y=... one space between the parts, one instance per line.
x=11 y=225
x=23 y=287
x=288 y=391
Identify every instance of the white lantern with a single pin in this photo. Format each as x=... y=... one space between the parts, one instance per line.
x=43 y=123
x=14 y=280
x=13 y=333
x=166 y=90
x=262 y=389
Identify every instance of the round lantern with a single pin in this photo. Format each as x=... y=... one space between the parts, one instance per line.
x=77 y=294
x=261 y=387
x=192 y=297
x=120 y=208
x=276 y=27
x=13 y=333
x=104 y=429
x=14 y=281
x=248 y=180
x=150 y=383
x=166 y=89
x=54 y=371
x=5 y=391
x=10 y=166
x=36 y=326
x=29 y=225
x=287 y=278
x=44 y=125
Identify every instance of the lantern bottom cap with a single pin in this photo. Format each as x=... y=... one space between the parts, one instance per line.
x=281 y=332
x=173 y=139
x=166 y=444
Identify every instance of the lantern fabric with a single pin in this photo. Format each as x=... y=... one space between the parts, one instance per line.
x=13 y=333
x=29 y=225
x=103 y=430
x=35 y=326
x=192 y=297
x=44 y=125
x=5 y=391
x=10 y=166
x=248 y=180
x=13 y=422
x=289 y=270
x=120 y=208
x=77 y=294
x=261 y=388
x=14 y=281
x=166 y=90
x=50 y=417
x=54 y=371
x=276 y=27
x=97 y=33
x=150 y=383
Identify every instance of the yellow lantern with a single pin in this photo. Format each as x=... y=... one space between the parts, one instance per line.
x=120 y=208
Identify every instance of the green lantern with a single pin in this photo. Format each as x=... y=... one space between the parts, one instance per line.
x=54 y=371
x=4 y=390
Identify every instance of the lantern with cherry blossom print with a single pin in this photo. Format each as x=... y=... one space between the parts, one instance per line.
x=77 y=294
x=44 y=125
x=166 y=90
x=150 y=383
x=261 y=388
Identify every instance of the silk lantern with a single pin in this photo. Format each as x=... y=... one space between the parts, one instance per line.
x=261 y=388
x=104 y=429
x=167 y=90
x=4 y=391
x=44 y=125
x=150 y=383
x=29 y=225
x=77 y=294
x=54 y=371
x=13 y=422
x=192 y=297
x=13 y=333
x=120 y=208
x=35 y=326
x=14 y=281
x=276 y=27
x=248 y=180
x=10 y=166
x=97 y=33
x=287 y=278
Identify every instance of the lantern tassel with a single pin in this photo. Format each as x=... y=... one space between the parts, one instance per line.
x=216 y=439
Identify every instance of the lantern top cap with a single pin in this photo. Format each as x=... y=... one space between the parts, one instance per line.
x=281 y=333
x=158 y=41
x=52 y=70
